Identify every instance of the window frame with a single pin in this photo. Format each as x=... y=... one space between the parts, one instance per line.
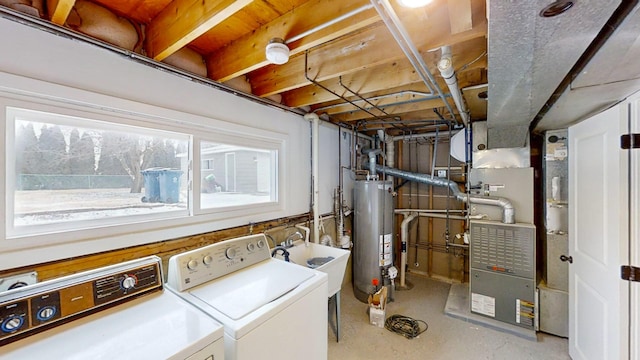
x=272 y=145
x=114 y=236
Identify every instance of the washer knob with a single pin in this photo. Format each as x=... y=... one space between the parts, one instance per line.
x=207 y=260
x=192 y=264
x=46 y=313
x=251 y=246
x=128 y=282
x=260 y=244
x=230 y=253
x=12 y=324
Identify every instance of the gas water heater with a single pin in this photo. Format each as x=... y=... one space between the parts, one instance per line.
x=373 y=238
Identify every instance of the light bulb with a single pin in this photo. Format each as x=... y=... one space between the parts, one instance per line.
x=413 y=3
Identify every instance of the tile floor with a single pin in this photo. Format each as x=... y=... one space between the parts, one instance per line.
x=446 y=338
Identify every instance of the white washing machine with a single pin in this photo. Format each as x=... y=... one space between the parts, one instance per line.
x=116 y=312
x=270 y=309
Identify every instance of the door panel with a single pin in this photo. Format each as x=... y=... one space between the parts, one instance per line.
x=598 y=298
x=634 y=216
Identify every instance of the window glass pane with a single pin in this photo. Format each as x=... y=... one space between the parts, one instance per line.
x=69 y=170
x=234 y=175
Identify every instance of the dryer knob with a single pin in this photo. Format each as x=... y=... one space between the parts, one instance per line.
x=230 y=253
x=128 y=282
x=192 y=264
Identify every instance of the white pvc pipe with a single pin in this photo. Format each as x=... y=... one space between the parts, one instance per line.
x=404 y=238
x=445 y=65
x=306 y=233
x=315 y=142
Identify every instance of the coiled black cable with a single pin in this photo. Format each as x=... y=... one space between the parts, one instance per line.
x=405 y=326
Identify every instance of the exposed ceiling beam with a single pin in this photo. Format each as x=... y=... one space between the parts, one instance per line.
x=375 y=46
x=466 y=78
x=226 y=64
x=460 y=15
x=184 y=20
x=388 y=75
x=396 y=110
x=59 y=10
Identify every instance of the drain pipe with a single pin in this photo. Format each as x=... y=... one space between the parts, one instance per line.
x=445 y=65
x=315 y=141
x=404 y=238
x=508 y=211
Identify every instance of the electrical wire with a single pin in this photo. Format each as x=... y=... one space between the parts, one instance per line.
x=405 y=326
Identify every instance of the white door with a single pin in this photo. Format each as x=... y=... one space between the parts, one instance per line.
x=598 y=238
x=634 y=258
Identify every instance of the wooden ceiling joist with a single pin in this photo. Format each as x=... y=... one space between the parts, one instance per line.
x=59 y=10
x=376 y=46
x=184 y=20
x=226 y=64
x=388 y=75
x=396 y=110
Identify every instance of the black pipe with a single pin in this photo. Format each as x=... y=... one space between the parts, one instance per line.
x=618 y=16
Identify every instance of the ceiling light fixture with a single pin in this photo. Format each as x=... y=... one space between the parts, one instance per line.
x=413 y=3
x=277 y=51
x=556 y=8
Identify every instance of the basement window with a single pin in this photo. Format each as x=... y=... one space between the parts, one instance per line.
x=234 y=175
x=71 y=173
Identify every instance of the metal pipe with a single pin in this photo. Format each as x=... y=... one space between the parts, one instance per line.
x=433 y=211
x=453 y=217
x=399 y=33
x=508 y=211
x=328 y=23
x=420 y=136
x=428 y=96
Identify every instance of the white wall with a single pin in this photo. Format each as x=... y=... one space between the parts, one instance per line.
x=53 y=67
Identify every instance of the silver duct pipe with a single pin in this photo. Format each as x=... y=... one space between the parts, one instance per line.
x=508 y=211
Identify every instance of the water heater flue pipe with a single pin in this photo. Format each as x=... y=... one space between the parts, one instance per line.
x=508 y=211
x=373 y=153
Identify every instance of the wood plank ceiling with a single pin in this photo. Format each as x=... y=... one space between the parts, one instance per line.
x=342 y=45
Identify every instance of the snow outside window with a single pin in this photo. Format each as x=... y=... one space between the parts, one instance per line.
x=72 y=173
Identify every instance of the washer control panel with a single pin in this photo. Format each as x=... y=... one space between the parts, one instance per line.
x=207 y=263
x=38 y=307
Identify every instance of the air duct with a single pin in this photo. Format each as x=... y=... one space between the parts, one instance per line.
x=508 y=211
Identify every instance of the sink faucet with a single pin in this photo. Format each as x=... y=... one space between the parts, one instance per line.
x=288 y=242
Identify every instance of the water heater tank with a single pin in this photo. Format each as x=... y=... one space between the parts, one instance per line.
x=372 y=235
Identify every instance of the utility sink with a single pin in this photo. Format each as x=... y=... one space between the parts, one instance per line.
x=318 y=257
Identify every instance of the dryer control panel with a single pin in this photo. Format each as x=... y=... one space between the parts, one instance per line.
x=30 y=309
x=207 y=263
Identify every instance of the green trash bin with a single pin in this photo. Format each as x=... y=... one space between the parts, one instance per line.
x=169 y=181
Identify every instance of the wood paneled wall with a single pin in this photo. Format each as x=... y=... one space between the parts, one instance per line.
x=164 y=250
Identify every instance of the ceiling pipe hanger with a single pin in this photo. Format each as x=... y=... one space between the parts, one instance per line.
x=306 y=75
